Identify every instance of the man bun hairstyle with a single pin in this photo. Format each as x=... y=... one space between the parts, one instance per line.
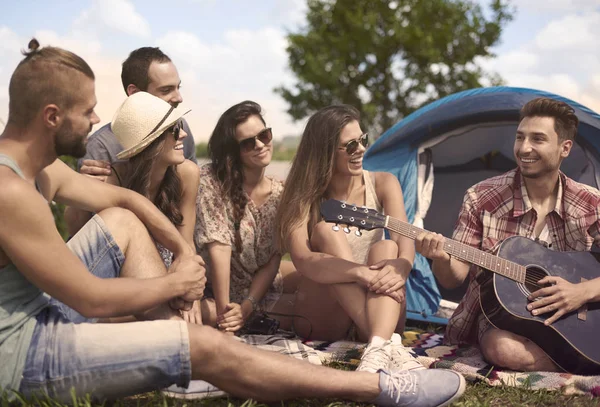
x=565 y=119
x=33 y=46
x=135 y=67
x=45 y=76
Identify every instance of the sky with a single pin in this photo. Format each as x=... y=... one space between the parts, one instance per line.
x=227 y=51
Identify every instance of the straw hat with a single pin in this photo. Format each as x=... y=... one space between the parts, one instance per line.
x=140 y=120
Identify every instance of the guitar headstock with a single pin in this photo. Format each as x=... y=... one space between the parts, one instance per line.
x=338 y=212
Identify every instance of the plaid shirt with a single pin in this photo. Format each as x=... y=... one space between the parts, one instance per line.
x=498 y=208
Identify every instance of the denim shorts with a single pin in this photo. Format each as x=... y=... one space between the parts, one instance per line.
x=107 y=361
x=98 y=250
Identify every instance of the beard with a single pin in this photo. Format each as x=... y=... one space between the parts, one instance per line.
x=68 y=142
x=546 y=168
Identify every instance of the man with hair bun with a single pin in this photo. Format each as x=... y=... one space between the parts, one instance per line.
x=535 y=200
x=51 y=111
x=146 y=69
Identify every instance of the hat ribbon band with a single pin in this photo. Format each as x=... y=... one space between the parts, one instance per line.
x=160 y=123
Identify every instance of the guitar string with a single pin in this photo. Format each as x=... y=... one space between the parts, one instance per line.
x=471 y=254
x=475 y=256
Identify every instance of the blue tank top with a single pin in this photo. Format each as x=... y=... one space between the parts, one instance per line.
x=20 y=302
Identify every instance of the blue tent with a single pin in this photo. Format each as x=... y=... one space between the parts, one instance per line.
x=443 y=148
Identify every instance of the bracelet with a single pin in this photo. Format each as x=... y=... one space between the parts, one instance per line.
x=253 y=302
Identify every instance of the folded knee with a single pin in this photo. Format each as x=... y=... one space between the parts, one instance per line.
x=119 y=217
x=504 y=351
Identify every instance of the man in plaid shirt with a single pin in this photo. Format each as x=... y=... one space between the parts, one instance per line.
x=535 y=200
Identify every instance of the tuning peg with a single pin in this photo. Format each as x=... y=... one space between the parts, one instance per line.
x=335 y=228
x=358 y=233
x=346 y=229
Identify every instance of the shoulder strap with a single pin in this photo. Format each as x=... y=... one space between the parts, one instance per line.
x=370 y=192
x=10 y=163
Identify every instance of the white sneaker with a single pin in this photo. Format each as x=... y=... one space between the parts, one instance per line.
x=197 y=389
x=401 y=357
x=376 y=356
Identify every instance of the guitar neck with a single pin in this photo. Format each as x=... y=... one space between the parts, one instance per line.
x=463 y=252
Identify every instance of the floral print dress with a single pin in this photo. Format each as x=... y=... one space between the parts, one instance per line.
x=214 y=223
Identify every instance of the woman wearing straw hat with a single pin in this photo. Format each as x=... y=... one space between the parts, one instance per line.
x=235 y=228
x=151 y=134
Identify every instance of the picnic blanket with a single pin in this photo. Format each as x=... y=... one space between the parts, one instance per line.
x=432 y=353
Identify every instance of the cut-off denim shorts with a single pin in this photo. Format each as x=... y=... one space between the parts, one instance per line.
x=106 y=361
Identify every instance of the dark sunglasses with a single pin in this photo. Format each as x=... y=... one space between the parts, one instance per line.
x=176 y=128
x=351 y=147
x=249 y=144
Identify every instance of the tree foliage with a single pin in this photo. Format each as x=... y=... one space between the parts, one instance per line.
x=389 y=57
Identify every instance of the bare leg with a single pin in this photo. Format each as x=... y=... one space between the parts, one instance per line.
x=286 y=303
x=268 y=376
x=383 y=312
x=313 y=298
x=515 y=352
x=291 y=277
x=141 y=256
x=345 y=300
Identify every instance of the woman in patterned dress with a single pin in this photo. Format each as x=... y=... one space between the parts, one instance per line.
x=235 y=227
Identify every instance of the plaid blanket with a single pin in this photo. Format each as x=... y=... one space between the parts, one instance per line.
x=431 y=353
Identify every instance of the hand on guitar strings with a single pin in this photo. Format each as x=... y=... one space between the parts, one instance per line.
x=390 y=278
x=561 y=298
x=431 y=245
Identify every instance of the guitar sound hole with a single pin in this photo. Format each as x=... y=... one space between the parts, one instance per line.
x=532 y=276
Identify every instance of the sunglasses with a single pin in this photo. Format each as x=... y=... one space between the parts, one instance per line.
x=176 y=129
x=351 y=147
x=249 y=144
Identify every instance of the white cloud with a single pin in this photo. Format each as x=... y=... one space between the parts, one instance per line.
x=244 y=65
x=118 y=15
x=514 y=61
x=595 y=81
x=562 y=58
x=556 y=6
x=290 y=13
x=9 y=41
x=574 y=32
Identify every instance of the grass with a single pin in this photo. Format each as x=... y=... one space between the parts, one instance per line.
x=477 y=394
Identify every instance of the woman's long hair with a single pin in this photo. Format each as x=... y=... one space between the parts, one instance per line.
x=226 y=162
x=137 y=178
x=312 y=169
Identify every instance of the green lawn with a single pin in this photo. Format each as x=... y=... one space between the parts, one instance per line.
x=478 y=394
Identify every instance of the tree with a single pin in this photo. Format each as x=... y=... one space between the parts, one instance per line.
x=389 y=57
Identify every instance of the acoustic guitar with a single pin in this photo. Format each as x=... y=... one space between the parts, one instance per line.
x=571 y=341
